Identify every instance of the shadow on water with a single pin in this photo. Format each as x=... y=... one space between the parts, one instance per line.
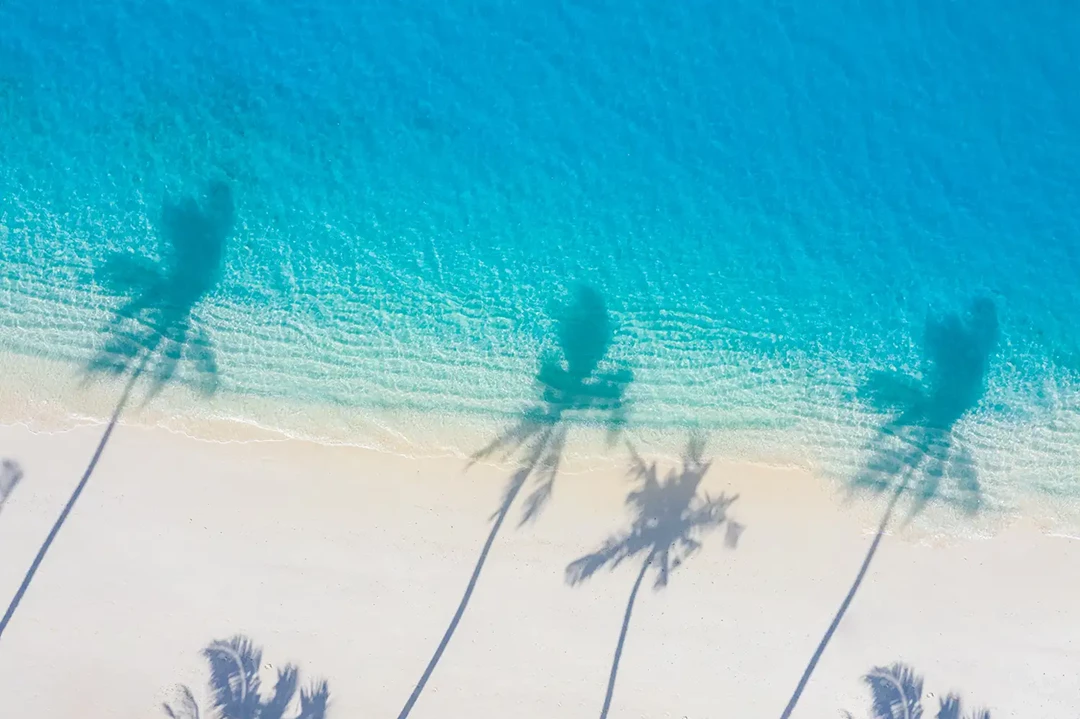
x=917 y=450
x=576 y=382
x=236 y=687
x=897 y=694
x=671 y=516
x=10 y=476
x=154 y=329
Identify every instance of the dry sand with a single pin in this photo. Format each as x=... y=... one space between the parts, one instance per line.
x=350 y=563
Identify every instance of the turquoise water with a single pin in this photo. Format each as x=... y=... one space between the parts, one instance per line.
x=774 y=201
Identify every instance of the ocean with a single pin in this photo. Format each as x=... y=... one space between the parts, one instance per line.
x=810 y=228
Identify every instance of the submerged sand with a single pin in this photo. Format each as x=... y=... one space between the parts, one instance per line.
x=350 y=563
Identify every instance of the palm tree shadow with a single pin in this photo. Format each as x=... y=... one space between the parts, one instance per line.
x=574 y=383
x=917 y=449
x=154 y=329
x=236 y=687
x=898 y=692
x=671 y=515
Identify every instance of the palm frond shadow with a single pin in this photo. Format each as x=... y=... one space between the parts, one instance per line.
x=575 y=382
x=916 y=449
x=572 y=384
x=237 y=692
x=897 y=693
x=671 y=517
x=154 y=330
x=10 y=476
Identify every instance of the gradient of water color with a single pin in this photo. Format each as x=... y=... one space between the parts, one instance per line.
x=774 y=201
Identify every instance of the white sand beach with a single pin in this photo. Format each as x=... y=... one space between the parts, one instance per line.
x=351 y=563
x=402 y=312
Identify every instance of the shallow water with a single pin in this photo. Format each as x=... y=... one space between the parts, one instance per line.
x=775 y=204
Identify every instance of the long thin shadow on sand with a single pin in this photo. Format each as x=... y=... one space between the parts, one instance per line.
x=671 y=517
x=917 y=450
x=576 y=383
x=155 y=328
x=236 y=687
x=898 y=694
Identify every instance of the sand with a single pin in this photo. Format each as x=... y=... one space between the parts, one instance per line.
x=350 y=563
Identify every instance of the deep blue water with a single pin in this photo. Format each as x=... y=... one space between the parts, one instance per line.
x=775 y=200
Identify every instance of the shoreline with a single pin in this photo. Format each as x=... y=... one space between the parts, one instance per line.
x=61 y=403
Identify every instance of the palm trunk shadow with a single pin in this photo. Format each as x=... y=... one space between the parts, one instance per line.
x=517 y=483
x=58 y=525
x=573 y=383
x=805 y=679
x=622 y=637
x=672 y=516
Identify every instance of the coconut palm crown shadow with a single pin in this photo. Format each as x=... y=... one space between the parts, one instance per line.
x=571 y=384
x=671 y=517
x=154 y=329
x=898 y=692
x=917 y=449
x=574 y=383
x=236 y=688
